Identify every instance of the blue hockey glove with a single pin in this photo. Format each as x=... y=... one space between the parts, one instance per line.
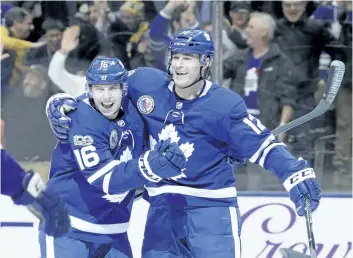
x=45 y=204
x=57 y=108
x=165 y=161
x=301 y=184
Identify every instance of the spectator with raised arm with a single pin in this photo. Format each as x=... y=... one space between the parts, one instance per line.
x=181 y=15
x=127 y=30
x=53 y=33
x=18 y=24
x=67 y=82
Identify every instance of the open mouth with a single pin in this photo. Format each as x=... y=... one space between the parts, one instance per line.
x=178 y=73
x=107 y=105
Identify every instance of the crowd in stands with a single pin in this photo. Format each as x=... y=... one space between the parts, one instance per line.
x=276 y=56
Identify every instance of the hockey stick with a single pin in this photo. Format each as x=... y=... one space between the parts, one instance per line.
x=332 y=86
x=335 y=76
x=288 y=253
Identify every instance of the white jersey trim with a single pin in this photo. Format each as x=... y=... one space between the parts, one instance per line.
x=267 y=150
x=207 y=88
x=235 y=231
x=262 y=147
x=49 y=244
x=102 y=171
x=98 y=228
x=228 y=192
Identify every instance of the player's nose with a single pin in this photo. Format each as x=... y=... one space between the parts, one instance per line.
x=179 y=63
x=107 y=94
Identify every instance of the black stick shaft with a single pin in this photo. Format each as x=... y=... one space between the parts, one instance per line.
x=309 y=228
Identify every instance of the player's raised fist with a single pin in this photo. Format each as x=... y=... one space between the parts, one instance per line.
x=57 y=108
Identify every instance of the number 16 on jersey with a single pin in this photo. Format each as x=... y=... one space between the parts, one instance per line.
x=87 y=157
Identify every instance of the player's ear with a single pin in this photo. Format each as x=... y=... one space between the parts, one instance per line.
x=208 y=62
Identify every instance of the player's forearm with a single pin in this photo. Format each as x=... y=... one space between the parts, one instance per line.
x=121 y=177
x=159 y=28
x=126 y=176
x=11 y=175
x=287 y=114
x=282 y=163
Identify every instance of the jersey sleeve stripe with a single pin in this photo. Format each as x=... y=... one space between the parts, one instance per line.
x=267 y=150
x=102 y=171
x=106 y=182
x=262 y=147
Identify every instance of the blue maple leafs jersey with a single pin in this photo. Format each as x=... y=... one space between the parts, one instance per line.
x=95 y=173
x=212 y=130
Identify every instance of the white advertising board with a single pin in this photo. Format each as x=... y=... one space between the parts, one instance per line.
x=269 y=223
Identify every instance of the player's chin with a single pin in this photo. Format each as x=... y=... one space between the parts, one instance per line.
x=109 y=112
x=181 y=83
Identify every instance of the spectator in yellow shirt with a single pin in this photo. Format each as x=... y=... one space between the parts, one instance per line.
x=18 y=24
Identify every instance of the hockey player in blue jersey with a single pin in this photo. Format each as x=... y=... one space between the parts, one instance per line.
x=195 y=214
x=97 y=171
x=28 y=189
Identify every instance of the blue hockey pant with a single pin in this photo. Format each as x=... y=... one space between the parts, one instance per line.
x=67 y=247
x=197 y=232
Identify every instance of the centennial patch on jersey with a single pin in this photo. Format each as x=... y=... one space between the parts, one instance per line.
x=113 y=139
x=82 y=140
x=145 y=104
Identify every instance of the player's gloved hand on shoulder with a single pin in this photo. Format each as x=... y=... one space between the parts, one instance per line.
x=164 y=161
x=301 y=184
x=57 y=107
x=45 y=204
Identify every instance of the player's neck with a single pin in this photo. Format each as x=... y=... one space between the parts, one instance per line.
x=190 y=92
x=260 y=50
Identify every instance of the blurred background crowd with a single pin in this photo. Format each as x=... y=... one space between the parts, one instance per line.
x=274 y=54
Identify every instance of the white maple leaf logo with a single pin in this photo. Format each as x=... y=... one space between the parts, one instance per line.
x=187 y=149
x=153 y=142
x=169 y=132
x=124 y=157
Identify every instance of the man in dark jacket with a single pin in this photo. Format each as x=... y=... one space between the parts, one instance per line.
x=302 y=40
x=264 y=77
